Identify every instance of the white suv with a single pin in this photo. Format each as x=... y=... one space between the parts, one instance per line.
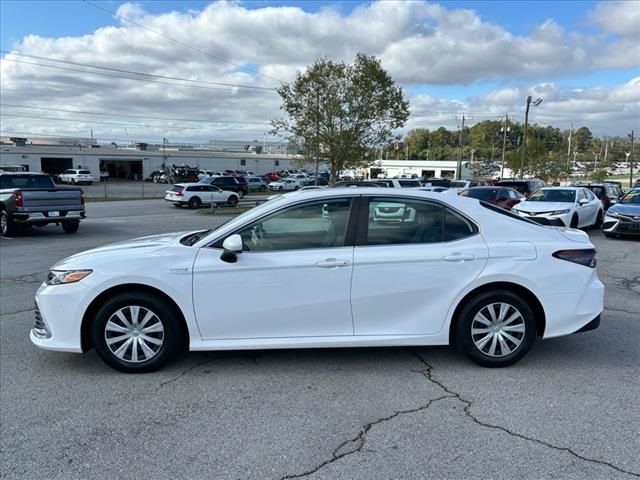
x=76 y=176
x=197 y=194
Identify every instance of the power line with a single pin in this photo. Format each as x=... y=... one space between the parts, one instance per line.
x=130 y=116
x=191 y=47
x=131 y=72
x=151 y=80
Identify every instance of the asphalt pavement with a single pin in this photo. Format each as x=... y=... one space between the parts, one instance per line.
x=569 y=410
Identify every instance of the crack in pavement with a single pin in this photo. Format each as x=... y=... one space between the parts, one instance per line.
x=621 y=310
x=253 y=358
x=427 y=373
x=25 y=279
x=629 y=284
x=357 y=443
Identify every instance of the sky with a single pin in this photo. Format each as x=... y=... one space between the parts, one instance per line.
x=194 y=71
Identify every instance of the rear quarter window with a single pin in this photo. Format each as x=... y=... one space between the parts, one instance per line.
x=457 y=227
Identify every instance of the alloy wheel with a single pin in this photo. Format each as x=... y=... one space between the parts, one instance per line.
x=498 y=329
x=134 y=334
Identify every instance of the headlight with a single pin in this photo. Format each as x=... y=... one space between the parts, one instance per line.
x=58 y=277
x=559 y=212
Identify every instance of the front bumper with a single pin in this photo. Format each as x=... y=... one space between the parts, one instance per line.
x=59 y=312
x=622 y=224
x=563 y=220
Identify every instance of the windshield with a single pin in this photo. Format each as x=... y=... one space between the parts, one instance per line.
x=480 y=193
x=632 y=197
x=566 y=196
x=26 y=181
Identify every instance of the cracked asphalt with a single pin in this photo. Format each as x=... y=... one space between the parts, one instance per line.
x=569 y=410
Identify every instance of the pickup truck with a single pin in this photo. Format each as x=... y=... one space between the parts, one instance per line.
x=28 y=199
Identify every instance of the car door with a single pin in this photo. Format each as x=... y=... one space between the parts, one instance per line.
x=217 y=195
x=407 y=273
x=293 y=278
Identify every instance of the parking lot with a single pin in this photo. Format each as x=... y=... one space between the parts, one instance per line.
x=568 y=410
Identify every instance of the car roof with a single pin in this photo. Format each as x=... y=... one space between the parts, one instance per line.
x=561 y=188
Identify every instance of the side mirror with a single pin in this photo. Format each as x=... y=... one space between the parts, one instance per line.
x=584 y=201
x=232 y=248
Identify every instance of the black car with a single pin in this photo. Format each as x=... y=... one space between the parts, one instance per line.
x=231 y=184
x=526 y=187
x=607 y=192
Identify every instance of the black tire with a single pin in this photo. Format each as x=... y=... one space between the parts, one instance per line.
x=195 y=202
x=599 y=219
x=240 y=194
x=574 y=221
x=280 y=188
x=171 y=335
x=70 y=226
x=7 y=227
x=465 y=340
x=296 y=187
x=232 y=200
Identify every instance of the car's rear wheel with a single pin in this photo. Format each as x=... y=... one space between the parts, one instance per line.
x=495 y=329
x=70 y=226
x=574 y=221
x=7 y=227
x=195 y=202
x=135 y=332
x=599 y=219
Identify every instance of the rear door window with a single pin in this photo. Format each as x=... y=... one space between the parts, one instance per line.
x=394 y=221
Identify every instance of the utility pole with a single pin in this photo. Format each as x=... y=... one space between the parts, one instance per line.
x=504 y=143
x=569 y=154
x=524 y=137
x=460 y=144
x=631 y=163
x=164 y=153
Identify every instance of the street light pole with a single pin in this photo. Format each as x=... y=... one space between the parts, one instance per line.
x=504 y=144
x=524 y=135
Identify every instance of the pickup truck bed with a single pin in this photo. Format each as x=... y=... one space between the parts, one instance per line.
x=26 y=199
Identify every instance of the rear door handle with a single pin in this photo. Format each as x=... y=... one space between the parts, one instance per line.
x=332 y=263
x=458 y=257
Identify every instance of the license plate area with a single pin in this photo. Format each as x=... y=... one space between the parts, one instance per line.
x=54 y=213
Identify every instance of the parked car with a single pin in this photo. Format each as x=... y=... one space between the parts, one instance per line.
x=436 y=182
x=606 y=192
x=400 y=182
x=272 y=176
x=231 y=184
x=462 y=184
x=284 y=184
x=364 y=183
x=76 y=176
x=256 y=184
x=575 y=207
x=623 y=218
x=433 y=189
x=32 y=199
x=459 y=271
x=197 y=194
x=503 y=197
x=525 y=187
x=208 y=173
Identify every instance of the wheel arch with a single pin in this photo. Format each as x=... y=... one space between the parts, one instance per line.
x=525 y=293
x=97 y=302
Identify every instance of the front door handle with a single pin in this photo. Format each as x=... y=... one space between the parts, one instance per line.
x=458 y=257
x=332 y=263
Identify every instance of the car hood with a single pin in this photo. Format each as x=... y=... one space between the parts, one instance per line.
x=625 y=209
x=543 y=206
x=141 y=246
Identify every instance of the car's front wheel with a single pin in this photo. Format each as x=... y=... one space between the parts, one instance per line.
x=599 y=219
x=495 y=329
x=232 y=200
x=136 y=332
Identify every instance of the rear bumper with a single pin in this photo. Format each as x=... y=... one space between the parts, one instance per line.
x=592 y=325
x=43 y=217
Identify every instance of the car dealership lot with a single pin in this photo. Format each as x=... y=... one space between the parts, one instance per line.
x=565 y=411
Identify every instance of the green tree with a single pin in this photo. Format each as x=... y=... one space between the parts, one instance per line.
x=418 y=140
x=342 y=111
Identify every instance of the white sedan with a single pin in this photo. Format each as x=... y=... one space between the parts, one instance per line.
x=194 y=195
x=316 y=271
x=575 y=207
x=284 y=184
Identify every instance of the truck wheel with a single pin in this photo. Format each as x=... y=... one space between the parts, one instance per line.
x=7 y=227
x=70 y=226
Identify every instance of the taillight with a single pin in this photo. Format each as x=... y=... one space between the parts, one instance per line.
x=18 y=198
x=180 y=194
x=586 y=257
x=81 y=197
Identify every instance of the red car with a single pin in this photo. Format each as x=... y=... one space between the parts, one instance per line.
x=500 y=196
x=272 y=176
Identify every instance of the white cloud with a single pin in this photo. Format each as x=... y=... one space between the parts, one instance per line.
x=419 y=43
x=619 y=17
